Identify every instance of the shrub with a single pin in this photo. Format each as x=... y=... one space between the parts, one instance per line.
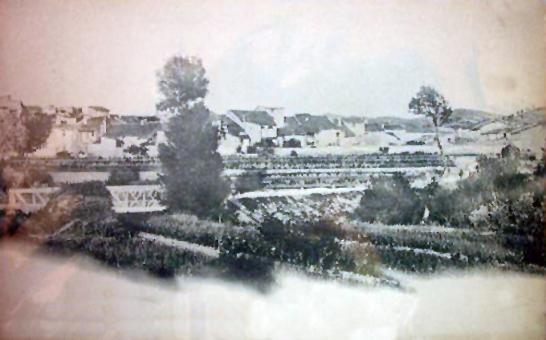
x=310 y=245
x=24 y=177
x=246 y=268
x=64 y=155
x=496 y=178
x=250 y=181
x=82 y=203
x=500 y=199
x=425 y=251
x=390 y=200
x=123 y=176
x=291 y=143
x=119 y=247
x=520 y=223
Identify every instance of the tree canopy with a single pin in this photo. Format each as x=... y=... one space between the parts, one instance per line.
x=23 y=131
x=181 y=82
x=430 y=103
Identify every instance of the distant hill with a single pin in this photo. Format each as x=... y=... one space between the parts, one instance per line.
x=469 y=119
x=461 y=118
x=515 y=123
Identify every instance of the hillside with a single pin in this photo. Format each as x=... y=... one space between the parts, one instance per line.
x=514 y=123
x=469 y=119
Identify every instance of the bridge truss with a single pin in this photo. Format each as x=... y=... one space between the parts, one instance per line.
x=125 y=198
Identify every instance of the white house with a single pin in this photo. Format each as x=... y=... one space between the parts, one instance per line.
x=73 y=131
x=257 y=125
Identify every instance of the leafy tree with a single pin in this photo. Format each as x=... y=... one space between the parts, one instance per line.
x=39 y=127
x=181 y=83
x=22 y=131
x=123 y=176
x=430 y=103
x=192 y=167
x=391 y=200
x=250 y=181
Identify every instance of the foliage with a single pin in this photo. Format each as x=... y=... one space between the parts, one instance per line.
x=137 y=150
x=313 y=245
x=390 y=200
x=430 y=103
x=249 y=181
x=123 y=176
x=191 y=229
x=496 y=178
x=181 y=82
x=75 y=204
x=520 y=224
x=291 y=143
x=23 y=131
x=14 y=136
x=192 y=167
x=415 y=249
x=39 y=127
x=25 y=177
x=120 y=247
x=250 y=253
x=499 y=198
x=64 y=155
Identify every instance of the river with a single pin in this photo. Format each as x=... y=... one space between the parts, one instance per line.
x=46 y=296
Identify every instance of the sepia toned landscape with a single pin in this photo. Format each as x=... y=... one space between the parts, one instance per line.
x=272 y=170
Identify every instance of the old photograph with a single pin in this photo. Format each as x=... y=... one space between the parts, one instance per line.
x=272 y=169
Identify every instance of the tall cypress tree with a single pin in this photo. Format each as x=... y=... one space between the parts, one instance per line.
x=191 y=166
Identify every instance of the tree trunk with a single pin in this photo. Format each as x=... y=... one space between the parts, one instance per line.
x=438 y=140
x=440 y=147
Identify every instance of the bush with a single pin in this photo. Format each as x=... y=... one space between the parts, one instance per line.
x=314 y=245
x=85 y=203
x=64 y=155
x=246 y=268
x=23 y=178
x=390 y=200
x=496 y=178
x=428 y=251
x=497 y=198
x=191 y=229
x=123 y=176
x=291 y=143
x=119 y=247
x=250 y=181
x=520 y=225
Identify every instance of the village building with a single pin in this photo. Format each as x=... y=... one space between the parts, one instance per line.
x=312 y=130
x=130 y=136
x=73 y=131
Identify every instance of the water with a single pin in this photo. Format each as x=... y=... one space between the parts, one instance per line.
x=59 y=297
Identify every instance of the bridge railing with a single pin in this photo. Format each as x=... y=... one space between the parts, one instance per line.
x=136 y=198
x=125 y=198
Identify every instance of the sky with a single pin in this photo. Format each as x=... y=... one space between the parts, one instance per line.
x=363 y=58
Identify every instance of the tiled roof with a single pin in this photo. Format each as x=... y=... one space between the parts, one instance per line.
x=261 y=118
